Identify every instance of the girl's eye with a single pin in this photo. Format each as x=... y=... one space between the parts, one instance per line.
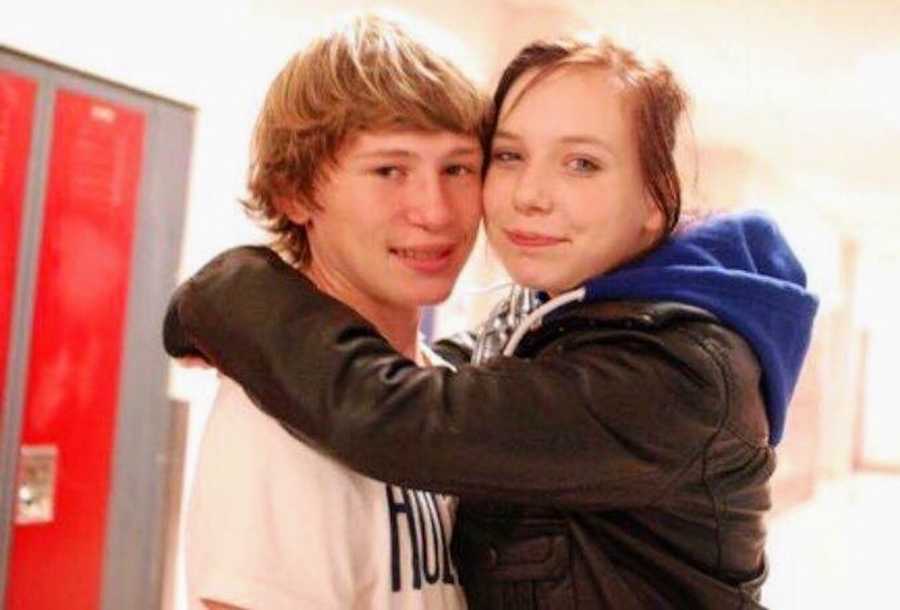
x=505 y=156
x=583 y=166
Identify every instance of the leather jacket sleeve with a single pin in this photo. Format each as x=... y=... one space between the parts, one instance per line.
x=608 y=418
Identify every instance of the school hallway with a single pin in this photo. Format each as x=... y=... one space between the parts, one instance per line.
x=839 y=550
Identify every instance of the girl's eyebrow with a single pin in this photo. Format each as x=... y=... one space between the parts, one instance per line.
x=502 y=133
x=583 y=139
x=570 y=139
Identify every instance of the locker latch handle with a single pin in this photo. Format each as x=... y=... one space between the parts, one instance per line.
x=36 y=488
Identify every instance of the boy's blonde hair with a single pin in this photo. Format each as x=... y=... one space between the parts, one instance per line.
x=368 y=76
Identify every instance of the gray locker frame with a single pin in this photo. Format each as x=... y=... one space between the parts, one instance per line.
x=134 y=551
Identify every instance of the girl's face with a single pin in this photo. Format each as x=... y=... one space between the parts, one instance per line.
x=564 y=200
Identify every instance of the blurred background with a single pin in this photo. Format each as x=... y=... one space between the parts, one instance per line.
x=151 y=106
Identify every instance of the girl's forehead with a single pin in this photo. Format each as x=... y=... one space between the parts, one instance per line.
x=553 y=88
x=571 y=103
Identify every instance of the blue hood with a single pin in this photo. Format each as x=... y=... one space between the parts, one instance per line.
x=740 y=268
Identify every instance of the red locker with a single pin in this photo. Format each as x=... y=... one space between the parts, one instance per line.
x=93 y=180
x=17 y=95
x=73 y=377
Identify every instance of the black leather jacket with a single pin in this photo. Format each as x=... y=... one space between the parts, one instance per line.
x=620 y=461
x=666 y=514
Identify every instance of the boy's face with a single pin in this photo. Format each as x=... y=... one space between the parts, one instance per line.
x=398 y=217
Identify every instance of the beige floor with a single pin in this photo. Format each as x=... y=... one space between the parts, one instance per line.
x=840 y=550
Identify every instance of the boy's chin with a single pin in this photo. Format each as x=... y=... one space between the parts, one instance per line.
x=427 y=297
x=435 y=299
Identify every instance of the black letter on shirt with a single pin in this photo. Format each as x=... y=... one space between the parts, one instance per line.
x=445 y=548
x=430 y=515
x=396 y=508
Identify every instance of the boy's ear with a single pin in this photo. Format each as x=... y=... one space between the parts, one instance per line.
x=298 y=211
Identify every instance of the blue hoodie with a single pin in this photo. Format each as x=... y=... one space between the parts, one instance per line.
x=740 y=268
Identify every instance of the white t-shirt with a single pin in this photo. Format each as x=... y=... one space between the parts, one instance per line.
x=275 y=525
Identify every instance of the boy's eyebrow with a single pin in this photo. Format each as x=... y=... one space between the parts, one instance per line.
x=385 y=152
x=465 y=150
x=402 y=152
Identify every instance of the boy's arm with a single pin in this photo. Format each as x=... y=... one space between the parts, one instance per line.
x=612 y=422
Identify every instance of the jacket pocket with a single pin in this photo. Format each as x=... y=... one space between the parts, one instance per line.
x=532 y=573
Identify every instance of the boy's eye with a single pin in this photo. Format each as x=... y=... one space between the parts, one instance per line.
x=388 y=171
x=460 y=170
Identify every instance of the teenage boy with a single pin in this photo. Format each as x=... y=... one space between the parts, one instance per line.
x=366 y=170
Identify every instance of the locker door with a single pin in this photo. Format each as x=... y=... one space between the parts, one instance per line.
x=17 y=97
x=72 y=389
x=97 y=208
